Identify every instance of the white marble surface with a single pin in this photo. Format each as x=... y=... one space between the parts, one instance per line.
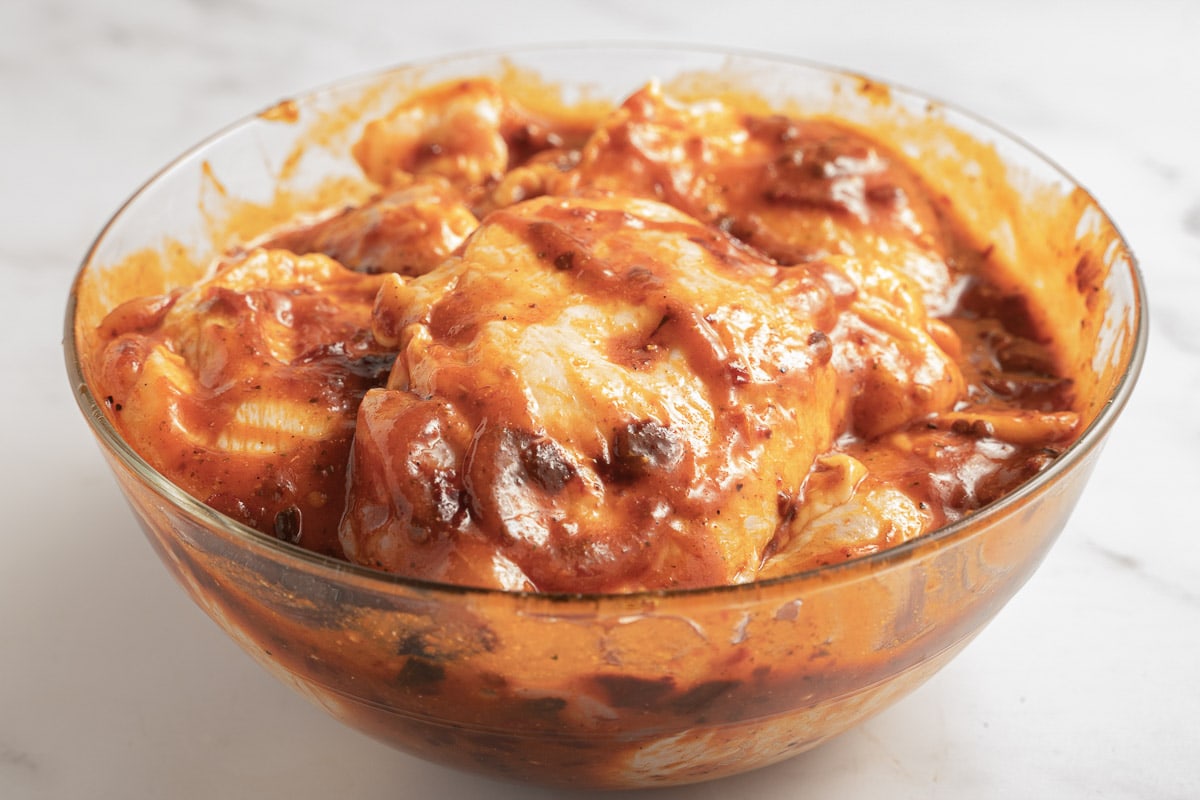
x=112 y=685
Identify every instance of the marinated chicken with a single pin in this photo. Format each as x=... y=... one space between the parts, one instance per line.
x=244 y=388
x=685 y=345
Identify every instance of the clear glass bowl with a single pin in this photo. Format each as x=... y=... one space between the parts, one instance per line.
x=619 y=690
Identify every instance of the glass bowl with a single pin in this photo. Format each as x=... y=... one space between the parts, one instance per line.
x=629 y=690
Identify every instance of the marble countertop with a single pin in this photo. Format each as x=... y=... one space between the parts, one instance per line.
x=113 y=685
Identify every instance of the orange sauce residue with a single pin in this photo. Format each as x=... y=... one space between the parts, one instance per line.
x=287 y=111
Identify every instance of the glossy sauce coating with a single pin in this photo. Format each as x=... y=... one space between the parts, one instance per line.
x=244 y=388
x=687 y=346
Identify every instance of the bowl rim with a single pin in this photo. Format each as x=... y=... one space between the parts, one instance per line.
x=1092 y=436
